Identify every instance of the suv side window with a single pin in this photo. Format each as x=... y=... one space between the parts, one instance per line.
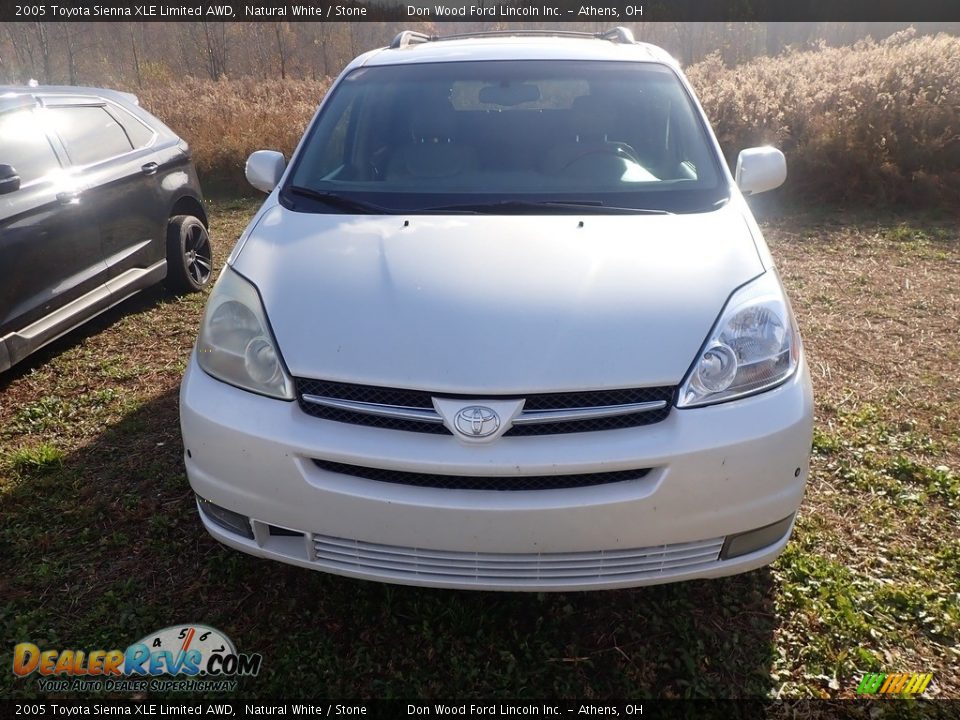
x=89 y=133
x=140 y=135
x=25 y=146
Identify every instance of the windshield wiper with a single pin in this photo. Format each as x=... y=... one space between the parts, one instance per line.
x=342 y=202
x=338 y=201
x=492 y=207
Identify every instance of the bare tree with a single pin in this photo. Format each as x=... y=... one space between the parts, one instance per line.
x=69 y=44
x=134 y=53
x=132 y=28
x=44 y=48
x=281 y=48
x=781 y=35
x=690 y=41
x=215 y=36
x=22 y=53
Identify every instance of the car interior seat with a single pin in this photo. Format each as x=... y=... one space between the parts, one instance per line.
x=593 y=123
x=433 y=150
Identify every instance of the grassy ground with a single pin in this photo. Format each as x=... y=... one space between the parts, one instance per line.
x=100 y=543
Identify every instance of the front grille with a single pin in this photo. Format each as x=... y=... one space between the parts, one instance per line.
x=575 y=426
x=377 y=421
x=476 y=482
x=596 y=398
x=365 y=393
x=520 y=569
x=374 y=396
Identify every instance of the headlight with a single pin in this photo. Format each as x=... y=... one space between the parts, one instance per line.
x=235 y=343
x=753 y=347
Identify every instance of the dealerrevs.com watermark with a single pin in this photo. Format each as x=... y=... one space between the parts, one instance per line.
x=179 y=658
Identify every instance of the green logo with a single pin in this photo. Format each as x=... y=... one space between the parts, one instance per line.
x=894 y=683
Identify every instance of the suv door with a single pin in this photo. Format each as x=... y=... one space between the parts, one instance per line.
x=49 y=245
x=124 y=187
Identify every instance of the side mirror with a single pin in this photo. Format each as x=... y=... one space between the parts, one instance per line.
x=264 y=169
x=9 y=179
x=760 y=169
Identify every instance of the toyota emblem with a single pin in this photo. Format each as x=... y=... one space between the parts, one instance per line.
x=477 y=421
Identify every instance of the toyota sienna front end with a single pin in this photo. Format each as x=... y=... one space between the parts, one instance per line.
x=505 y=321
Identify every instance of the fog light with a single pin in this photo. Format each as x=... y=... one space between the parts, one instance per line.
x=753 y=540
x=227 y=519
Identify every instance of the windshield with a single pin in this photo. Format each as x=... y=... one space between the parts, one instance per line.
x=527 y=135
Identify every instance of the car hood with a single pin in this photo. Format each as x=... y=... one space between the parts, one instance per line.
x=485 y=304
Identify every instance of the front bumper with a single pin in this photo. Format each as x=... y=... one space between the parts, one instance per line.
x=714 y=472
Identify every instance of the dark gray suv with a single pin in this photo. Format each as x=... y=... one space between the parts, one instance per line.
x=98 y=199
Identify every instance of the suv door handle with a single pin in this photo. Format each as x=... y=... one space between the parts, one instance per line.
x=149 y=169
x=68 y=198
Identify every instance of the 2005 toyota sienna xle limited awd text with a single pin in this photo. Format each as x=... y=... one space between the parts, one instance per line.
x=505 y=322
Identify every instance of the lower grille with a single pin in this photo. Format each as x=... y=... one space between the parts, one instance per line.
x=514 y=568
x=476 y=482
x=385 y=408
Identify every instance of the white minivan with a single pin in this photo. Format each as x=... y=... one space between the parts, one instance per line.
x=503 y=322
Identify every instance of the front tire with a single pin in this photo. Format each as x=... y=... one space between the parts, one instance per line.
x=189 y=254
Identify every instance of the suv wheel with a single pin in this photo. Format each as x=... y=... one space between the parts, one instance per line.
x=189 y=255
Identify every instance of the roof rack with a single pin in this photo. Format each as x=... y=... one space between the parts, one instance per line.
x=410 y=37
x=620 y=35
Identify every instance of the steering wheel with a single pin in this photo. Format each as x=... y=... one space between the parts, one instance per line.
x=618 y=149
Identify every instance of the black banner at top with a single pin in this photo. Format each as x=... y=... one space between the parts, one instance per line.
x=240 y=709
x=550 y=11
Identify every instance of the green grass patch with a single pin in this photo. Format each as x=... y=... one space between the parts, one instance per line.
x=43 y=458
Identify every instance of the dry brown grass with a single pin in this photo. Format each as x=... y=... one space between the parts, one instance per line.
x=876 y=121
x=878 y=304
x=225 y=121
